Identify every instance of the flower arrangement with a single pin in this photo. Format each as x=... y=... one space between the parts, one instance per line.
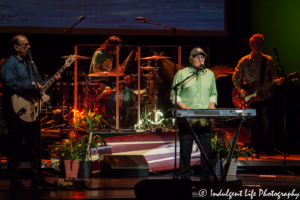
x=222 y=146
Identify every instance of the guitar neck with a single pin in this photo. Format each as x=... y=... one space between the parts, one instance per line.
x=264 y=86
x=52 y=79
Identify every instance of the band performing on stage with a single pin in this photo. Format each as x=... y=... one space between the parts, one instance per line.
x=114 y=118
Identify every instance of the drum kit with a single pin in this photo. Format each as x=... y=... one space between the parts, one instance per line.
x=100 y=98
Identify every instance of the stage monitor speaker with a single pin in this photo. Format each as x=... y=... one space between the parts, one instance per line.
x=125 y=166
x=164 y=189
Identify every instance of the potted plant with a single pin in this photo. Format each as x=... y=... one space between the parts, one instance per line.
x=71 y=151
x=222 y=147
x=87 y=121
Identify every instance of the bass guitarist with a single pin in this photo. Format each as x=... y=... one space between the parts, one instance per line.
x=17 y=76
x=258 y=67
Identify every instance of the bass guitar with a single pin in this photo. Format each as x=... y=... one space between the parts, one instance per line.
x=26 y=107
x=244 y=102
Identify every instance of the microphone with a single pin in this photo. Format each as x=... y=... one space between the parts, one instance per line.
x=81 y=18
x=202 y=66
x=276 y=53
x=141 y=19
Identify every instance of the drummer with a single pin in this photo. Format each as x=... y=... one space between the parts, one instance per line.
x=103 y=58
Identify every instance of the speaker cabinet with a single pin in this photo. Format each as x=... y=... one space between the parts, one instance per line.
x=125 y=166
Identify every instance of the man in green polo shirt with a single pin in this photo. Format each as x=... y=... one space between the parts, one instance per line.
x=198 y=92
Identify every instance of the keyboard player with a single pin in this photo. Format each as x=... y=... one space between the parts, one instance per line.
x=198 y=92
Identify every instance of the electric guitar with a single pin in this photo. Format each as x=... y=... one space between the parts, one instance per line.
x=26 y=107
x=252 y=89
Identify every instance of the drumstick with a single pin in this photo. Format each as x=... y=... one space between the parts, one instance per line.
x=126 y=60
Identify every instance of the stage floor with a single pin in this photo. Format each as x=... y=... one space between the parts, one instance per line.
x=123 y=188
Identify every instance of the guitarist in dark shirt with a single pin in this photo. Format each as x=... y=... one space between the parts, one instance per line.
x=258 y=67
x=17 y=77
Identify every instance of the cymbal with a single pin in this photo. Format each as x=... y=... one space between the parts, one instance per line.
x=149 y=68
x=104 y=74
x=141 y=92
x=78 y=57
x=155 y=57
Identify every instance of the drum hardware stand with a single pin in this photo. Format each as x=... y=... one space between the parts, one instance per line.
x=86 y=90
x=155 y=70
x=63 y=110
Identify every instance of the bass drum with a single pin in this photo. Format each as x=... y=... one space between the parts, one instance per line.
x=128 y=104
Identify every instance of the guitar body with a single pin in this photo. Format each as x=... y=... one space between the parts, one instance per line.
x=27 y=108
x=244 y=102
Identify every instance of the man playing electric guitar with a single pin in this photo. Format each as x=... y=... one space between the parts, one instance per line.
x=258 y=67
x=17 y=76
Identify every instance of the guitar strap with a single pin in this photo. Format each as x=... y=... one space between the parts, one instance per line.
x=263 y=69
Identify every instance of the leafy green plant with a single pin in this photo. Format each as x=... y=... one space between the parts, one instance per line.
x=222 y=146
x=72 y=148
x=87 y=121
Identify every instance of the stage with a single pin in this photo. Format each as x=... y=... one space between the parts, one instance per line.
x=262 y=176
x=123 y=188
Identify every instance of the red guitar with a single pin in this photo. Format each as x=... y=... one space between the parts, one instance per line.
x=252 y=89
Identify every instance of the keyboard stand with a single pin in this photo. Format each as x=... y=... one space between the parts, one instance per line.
x=222 y=182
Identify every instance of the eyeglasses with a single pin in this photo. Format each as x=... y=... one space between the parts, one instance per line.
x=25 y=45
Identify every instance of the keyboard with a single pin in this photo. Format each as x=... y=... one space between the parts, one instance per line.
x=212 y=113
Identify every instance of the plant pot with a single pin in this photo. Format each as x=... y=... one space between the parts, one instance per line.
x=85 y=169
x=232 y=167
x=217 y=166
x=71 y=168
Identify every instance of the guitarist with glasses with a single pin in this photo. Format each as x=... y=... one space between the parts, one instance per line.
x=253 y=71
x=17 y=77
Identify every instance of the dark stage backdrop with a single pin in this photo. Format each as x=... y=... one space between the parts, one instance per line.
x=279 y=22
x=113 y=15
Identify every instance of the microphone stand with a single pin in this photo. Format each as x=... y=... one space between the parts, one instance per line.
x=174 y=29
x=68 y=31
x=175 y=88
x=284 y=111
x=68 y=44
x=39 y=97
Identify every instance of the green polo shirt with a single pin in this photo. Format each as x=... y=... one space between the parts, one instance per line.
x=196 y=92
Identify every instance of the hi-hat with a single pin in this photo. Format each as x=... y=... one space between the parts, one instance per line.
x=149 y=68
x=104 y=74
x=78 y=57
x=155 y=57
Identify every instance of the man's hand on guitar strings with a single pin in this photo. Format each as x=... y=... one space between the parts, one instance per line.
x=57 y=76
x=243 y=92
x=280 y=81
x=40 y=86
